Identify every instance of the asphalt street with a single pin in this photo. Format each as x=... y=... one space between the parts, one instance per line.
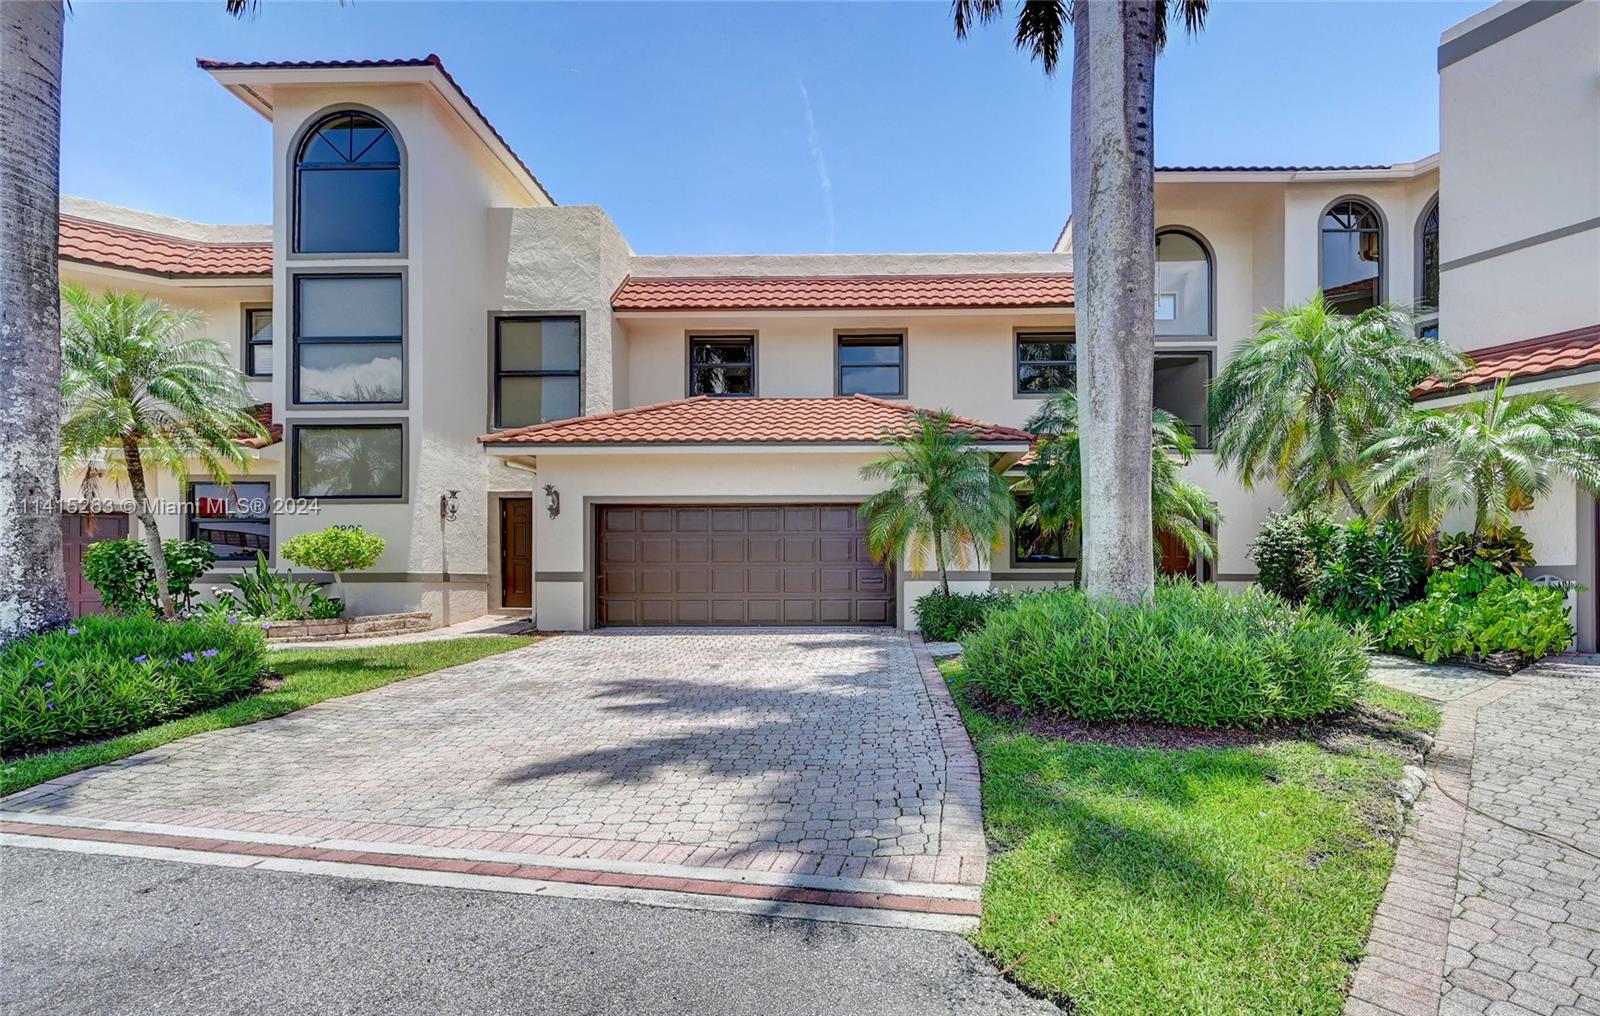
x=95 y=934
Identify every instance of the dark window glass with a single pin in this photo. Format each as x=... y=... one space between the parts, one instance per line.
x=872 y=365
x=236 y=520
x=258 y=341
x=358 y=460
x=722 y=365
x=1428 y=251
x=1046 y=362
x=347 y=343
x=1029 y=545
x=1352 y=257
x=1180 y=389
x=1183 y=285
x=347 y=188
x=536 y=372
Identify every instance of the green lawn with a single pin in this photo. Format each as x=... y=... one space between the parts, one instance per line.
x=309 y=676
x=1186 y=881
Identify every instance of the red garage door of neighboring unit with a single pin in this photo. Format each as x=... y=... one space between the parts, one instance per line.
x=78 y=531
x=738 y=565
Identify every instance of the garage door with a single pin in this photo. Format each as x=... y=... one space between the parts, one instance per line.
x=738 y=565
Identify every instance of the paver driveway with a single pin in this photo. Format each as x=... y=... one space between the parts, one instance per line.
x=817 y=752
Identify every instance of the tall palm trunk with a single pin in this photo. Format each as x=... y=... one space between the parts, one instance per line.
x=147 y=522
x=938 y=559
x=1113 y=231
x=33 y=587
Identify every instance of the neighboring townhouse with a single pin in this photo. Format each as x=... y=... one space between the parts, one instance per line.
x=536 y=418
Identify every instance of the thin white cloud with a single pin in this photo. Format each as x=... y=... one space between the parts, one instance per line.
x=814 y=142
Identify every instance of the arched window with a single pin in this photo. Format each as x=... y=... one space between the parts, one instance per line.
x=1352 y=257
x=1183 y=284
x=347 y=187
x=1428 y=267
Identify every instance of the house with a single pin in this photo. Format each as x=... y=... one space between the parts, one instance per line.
x=538 y=419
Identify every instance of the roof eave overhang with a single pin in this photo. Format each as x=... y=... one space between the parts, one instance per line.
x=1522 y=383
x=684 y=312
x=187 y=279
x=518 y=448
x=1398 y=171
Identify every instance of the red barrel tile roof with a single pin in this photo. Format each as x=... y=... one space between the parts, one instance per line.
x=112 y=246
x=1523 y=360
x=262 y=411
x=844 y=292
x=850 y=419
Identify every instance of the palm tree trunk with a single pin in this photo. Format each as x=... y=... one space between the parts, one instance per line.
x=1350 y=496
x=1113 y=233
x=938 y=559
x=147 y=522
x=33 y=586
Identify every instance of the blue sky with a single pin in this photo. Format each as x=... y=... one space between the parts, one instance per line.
x=752 y=127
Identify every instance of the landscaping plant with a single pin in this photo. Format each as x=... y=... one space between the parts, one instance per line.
x=337 y=549
x=946 y=617
x=1195 y=656
x=1476 y=612
x=1369 y=569
x=1507 y=553
x=264 y=595
x=1287 y=552
x=105 y=675
x=123 y=574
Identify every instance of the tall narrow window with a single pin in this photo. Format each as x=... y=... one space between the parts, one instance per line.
x=1181 y=382
x=258 y=341
x=872 y=365
x=348 y=339
x=1352 y=257
x=347 y=187
x=1046 y=362
x=1428 y=270
x=1183 y=285
x=722 y=365
x=537 y=363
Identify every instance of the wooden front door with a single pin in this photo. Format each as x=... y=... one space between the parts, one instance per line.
x=78 y=531
x=516 y=552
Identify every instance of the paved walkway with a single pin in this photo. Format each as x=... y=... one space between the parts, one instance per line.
x=1495 y=908
x=834 y=759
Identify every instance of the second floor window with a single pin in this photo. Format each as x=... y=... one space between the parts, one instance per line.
x=349 y=339
x=1046 y=362
x=258 y=341
x=1181 y=384
x=872 y=365
x=1183 y=285
x=1352 y=257
x=537 y=370
x=236 y=519
x=347 y=187
x=722 y=365
x=1428 y=271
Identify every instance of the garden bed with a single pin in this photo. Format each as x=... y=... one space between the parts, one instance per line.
x=332 y=629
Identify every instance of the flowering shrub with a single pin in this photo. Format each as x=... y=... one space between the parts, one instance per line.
x=108 y=675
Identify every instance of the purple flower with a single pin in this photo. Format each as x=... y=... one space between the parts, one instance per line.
x=233 y=618
x=49 y=684
x=208 y=652
x=265 y=625
x=37 y=664
x=72 y=631
x=49 y=705
x=141 y=658
x=187 y=657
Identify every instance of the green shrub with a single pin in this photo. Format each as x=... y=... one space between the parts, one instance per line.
x=1367 y=571
x=1286 y=551
x=1474 y=611
x=1507 y=554
x=123 y=574
x=324 y=608
x=943 y=618
x=1197 y=656
x=264 y=595
x=108 y=675
x=338 y=549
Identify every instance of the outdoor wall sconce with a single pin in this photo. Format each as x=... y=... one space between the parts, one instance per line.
x=552 y=500
x=449 y=505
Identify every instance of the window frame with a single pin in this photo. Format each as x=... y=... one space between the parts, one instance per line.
x=1383 y=243
x=496 y=374
x=716 y=335
x=300 y=141
x=402 y=339
x=1059 y=564
x=1427 y=316
x=1030 y=334
x=375 y=423
x=863 y=337
x=192 y=520
x=1211 y=375
x=1211 y=284
x=247 y=346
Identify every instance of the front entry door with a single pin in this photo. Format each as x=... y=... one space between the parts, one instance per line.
x=516 y=552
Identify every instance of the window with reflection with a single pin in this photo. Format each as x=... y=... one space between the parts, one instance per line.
x=347 y=187
x=537 y=370
x=359 y=460
x=1046 y=362
x=1352 y=257
x=1183 y=285
x=722 y=365
x=872 y=365
x=1181 y=385
x=1428 y=269
x=236 y=518
x=258 y=342
x=1031 y=546
x=348 y=339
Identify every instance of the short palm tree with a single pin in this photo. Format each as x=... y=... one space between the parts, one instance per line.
x=1496 y=454
x=137 y=391
x=1303 y=397
x=942 y=495
x=1055 y=479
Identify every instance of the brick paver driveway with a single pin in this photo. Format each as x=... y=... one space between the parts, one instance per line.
x=820 y=752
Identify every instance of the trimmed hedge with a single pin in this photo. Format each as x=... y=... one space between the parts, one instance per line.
x=1197 y=656
x=942 y=618
x=109 y=675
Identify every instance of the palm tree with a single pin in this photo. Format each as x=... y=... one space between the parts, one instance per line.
x=1114 y=47
x=1302 y=398
x=1495 y=454
x=1055 y=480
x=33 y=595
x=942 y=494
x=137 y=390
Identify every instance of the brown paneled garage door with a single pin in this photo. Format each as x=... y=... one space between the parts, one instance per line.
x=738 y=565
